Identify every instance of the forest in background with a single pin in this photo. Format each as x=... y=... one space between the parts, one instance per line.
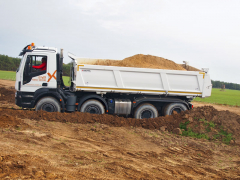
x=11 y=64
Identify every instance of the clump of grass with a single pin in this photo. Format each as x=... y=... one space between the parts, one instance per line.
x=184 y=125
x=227 y=137
x=190 y=133
x=222 y=135
x=208 y=124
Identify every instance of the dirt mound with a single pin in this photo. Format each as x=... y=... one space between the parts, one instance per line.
x=7 y=95
x=142 y=61
x=209 y=123
x=206 y=121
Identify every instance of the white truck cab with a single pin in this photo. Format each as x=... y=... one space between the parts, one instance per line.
x=29 y=79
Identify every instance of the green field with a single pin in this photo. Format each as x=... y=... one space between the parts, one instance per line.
x=10 y=75
x=227 y=97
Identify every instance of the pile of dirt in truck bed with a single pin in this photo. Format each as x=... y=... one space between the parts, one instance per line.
x=142 y=61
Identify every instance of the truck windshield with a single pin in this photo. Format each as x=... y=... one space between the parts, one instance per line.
x=20 y=64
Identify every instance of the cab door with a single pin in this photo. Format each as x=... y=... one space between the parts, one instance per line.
x=33 y=79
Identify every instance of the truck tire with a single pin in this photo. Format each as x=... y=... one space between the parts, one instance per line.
x=48 y=104
x=146 y=111
x=178 y=107
x=93 y=107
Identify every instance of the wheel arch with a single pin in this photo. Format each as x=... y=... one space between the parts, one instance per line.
x=45 y=92
x=53 y=95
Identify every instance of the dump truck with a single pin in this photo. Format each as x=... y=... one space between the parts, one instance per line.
x=97 y=89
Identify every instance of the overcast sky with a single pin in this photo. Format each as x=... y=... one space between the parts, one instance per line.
x=204 y=32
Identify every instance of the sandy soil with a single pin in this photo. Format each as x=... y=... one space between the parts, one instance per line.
x=41 y=145
x=143 y=61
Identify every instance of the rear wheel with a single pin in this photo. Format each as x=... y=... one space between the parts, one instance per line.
x=146 y=111
x=93 y=107
x=48 y=104
x=178 y=107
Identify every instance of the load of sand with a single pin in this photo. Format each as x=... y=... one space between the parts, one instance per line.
x=140 y=61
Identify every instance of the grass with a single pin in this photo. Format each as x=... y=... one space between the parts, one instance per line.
x=10 y=75
x=190 y=133
x=227 y=97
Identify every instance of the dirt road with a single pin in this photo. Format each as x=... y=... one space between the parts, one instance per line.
x=82 y=146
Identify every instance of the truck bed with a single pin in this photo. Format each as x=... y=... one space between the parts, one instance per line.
x=130 y=80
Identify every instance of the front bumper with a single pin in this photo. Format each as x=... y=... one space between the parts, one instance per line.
x=24 y=99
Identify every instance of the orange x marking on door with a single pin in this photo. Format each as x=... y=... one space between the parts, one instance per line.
x=53 y=75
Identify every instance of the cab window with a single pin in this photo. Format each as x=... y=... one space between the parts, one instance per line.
x=35 y=65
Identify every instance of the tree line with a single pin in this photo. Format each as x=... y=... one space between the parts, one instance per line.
x=220 y=84
x=11 y=64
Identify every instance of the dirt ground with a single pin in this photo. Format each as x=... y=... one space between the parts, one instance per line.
x=41 y=145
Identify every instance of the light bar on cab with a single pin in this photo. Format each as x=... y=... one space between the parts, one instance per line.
x=31 y=46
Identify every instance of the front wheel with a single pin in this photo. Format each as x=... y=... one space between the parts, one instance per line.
x=48 y=104
x=146 y=111
x=93 y=107
x=177 y=107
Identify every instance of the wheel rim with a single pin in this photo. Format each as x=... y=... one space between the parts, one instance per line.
x=178 y=109
x=49 y=107
x=146 y=113
x=93 y=109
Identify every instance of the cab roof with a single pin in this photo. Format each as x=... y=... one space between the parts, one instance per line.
x=37 y=48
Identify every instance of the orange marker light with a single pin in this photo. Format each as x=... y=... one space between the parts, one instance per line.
x=134 y=102
x=29 y=47
x=32 y=44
